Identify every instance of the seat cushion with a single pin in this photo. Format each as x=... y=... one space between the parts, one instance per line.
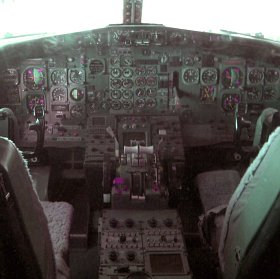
x=216 y=187
x=59 y=217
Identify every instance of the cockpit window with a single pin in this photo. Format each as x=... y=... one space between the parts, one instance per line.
x=239 y=17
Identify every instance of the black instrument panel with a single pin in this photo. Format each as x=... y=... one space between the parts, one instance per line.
x=142 y=69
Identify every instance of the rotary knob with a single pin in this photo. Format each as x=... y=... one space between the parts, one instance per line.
x=130 y=256
x=129 y=222
x=152 y=222
x=113 y=223
x=122 y=238
x=113 y=256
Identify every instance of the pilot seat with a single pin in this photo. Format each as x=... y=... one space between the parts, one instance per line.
x=34 y=234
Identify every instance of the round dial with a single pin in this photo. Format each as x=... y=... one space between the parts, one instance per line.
x=209 y=76
x=127 y=104
x=96 y=66
x=34 y=100
x=127 y=94
x=127 y=83
x=140 y=103
x=127 y=73
x=253 y=93
x=34 y=78
x=116 y=72
x=191 y=75
x=77 y=76
x=77 y=94
x=151 y=92
x=207 y=94
x=126 y=61
x=255 y=76
x=116 y=105
x=116 y=83
x=229 y=101
x=151 y=103
x=59 y=94
x=140 y=92
x=140 y=70
x=272 y=75
x=189 y=60
x=115 y=94
x=140 y=81
x=151 y=70
x=232 y=77
x=59 y=77
x=77 y=111
x=151 y=81
x=114 y=60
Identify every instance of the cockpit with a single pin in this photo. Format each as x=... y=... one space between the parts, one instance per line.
x=139 y=150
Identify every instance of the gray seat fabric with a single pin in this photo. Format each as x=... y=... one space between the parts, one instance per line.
x=216 y=187
x=252 y=216
x=45 y=225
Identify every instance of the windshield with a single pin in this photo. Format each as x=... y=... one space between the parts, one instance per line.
x=27 y=17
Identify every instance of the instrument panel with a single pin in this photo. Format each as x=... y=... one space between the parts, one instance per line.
x=149 y=70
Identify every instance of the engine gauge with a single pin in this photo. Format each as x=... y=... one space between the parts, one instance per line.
x=207 y=94
x=140 y=103
x=209 y=76
x=140 y=81
x=151 y=103
x=115 y=94
x=140 y=70
x=255 y=76
x=96 y=66
x=33 y=100
x=116 y=83
x=116 y=105
x=77 y=94
x=151 y=92
x=253 y=93
x=229 y=101
x=59 y=94
x=140 y=92
x=126 y=104
x=126 y=61
x=127 y=94
x=77 y=76
x=34 y=78
x=77 y=111
x=59 y=77
x=272 y=75
x=151 y=70
x=232 y=77
x=116 y=72
x=114 y=60
x=127 y=83
x=151 y=81
x=127 y=72
x=191 y=75
x=188 y=60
